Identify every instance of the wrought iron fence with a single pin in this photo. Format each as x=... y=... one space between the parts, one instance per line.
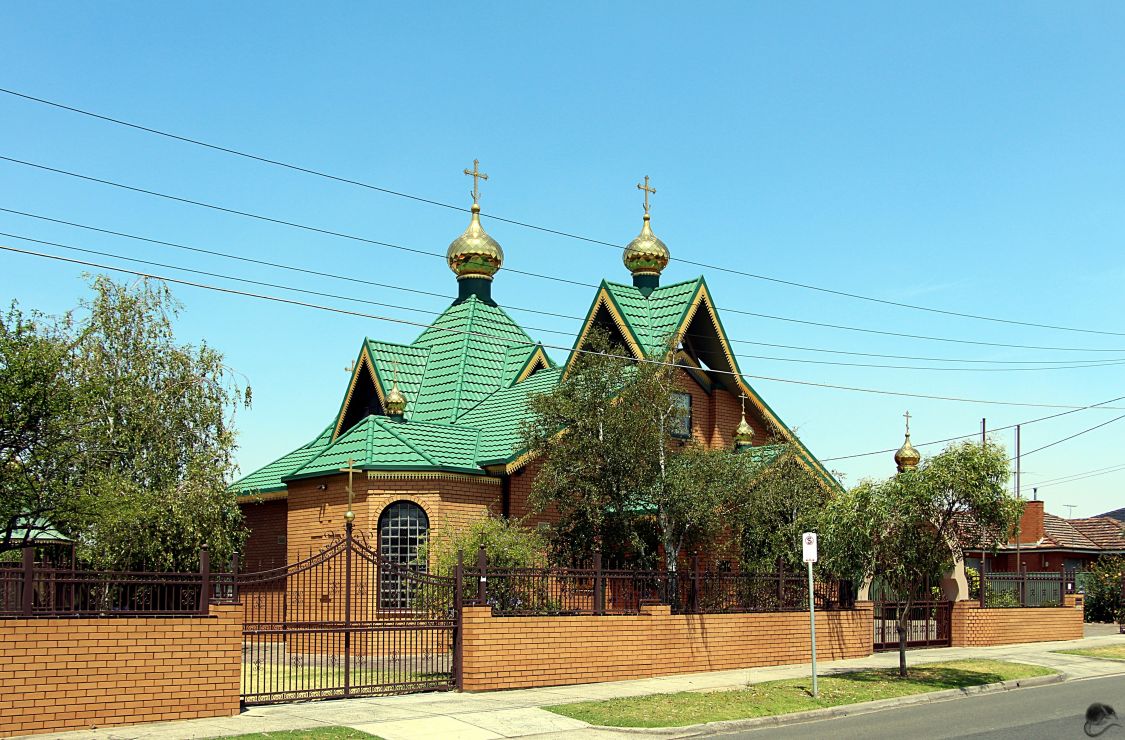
x=597 y=590
x=35 y=589
x=1001 y=589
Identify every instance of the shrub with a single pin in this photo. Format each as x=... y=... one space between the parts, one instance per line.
x=1103 y=590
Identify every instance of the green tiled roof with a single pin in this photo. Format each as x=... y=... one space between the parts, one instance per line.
x=377 y=443
x=406 y=362
x=499 y=417
x=464 y=406
x=655 y=318
x=268 y=479
x=467 y=346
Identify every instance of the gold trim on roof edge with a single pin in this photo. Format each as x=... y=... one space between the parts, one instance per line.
x=364 y=357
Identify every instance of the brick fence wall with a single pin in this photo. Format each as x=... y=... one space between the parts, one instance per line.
x=976 y=627
x=66 y=674
x=522 y=652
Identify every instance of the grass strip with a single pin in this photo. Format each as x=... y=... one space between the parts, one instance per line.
x=1111 y=652
x=316 y=733
x=792 y=695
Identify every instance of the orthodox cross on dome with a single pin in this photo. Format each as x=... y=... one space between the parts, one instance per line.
x=743 y=397
x=477 y=176
x=350 y=368
x=350 y=515
x=907 y=415
x=647 y=190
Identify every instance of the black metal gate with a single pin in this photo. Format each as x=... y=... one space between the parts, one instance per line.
x=929 y=624
x=344 y=623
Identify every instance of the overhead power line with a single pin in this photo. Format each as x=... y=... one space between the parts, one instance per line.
x=1072 y=436
x=510 y=307
x=1101 y=404
x=1082 y=475
x=329 y=232
x=529 y=343
x=544 y=229
x=354 y=299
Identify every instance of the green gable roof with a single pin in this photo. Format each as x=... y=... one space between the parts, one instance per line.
x=655 y=318
x=464 y=404
x=268 y=478
x=378 y=443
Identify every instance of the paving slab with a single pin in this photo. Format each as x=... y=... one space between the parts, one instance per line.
x=428 y=728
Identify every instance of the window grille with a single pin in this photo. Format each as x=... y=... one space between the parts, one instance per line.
x=403 y=527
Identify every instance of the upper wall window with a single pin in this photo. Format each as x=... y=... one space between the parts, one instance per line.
x=681 y=425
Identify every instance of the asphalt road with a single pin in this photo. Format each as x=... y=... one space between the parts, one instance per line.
x=1052 y=712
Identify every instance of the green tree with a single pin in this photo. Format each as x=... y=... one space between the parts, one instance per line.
x=37 y=450
x=910 y=527
x=613 y=472
x=118 y=435
x=158 y=434
x=783 y=500
x=1104 y=585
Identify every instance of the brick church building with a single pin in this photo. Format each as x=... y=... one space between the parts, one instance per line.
x=432 y=428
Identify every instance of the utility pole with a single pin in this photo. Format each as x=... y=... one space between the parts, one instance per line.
x=1019 y=532
x=983 y=436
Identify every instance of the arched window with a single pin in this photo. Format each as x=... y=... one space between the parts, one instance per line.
x=403 y=527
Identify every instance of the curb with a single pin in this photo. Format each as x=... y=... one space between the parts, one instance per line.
x=844 y=710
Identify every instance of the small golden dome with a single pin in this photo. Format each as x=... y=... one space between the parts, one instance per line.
x=907 y=458
x=475 y=253
x=646 y=255
x=396 y=402
x=743 y=435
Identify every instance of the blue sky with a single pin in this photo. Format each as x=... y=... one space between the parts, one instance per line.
x=962 y=157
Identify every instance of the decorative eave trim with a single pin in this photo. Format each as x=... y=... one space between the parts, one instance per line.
x=537 y=361
x=249 y=497
x=431 y=475
x=363 y=359
x=605 y=300
x=806 y=458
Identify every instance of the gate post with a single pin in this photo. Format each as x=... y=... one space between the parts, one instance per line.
x=983 y=579
x=348 y=608
x=458 y=624
x=204 y=579
x=482 y=583
x=780 y=584
x=695 y=583
x=599 y=585
x=234 y=564
x=28 y=580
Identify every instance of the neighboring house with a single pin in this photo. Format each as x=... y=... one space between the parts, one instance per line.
x=432 y=428
x=1051 y=543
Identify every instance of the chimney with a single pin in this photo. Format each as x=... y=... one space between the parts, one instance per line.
x=1031 y=523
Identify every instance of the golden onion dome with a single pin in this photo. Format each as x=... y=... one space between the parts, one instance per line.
x=646 y=254
x=907 y=458
x=743 y=435
x=396 y=402
x=475 y=254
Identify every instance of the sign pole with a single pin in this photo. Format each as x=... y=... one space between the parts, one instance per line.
x=812 y=630
x=808 y=549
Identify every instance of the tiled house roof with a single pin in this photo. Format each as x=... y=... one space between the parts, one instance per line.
x=1061 y=532
x=1104 y=532
x=468 y=379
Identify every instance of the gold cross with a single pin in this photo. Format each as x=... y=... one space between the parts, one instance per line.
x=349 y=470
x=350 y=368
x=743 y=397
x=907 y=415
x=477 y=175
x=647 y=190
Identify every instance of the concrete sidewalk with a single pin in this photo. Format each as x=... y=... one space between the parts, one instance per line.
x=504 y=714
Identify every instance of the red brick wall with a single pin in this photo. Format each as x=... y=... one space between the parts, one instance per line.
x=265 y=547
x=316 y=516
x=522 y=652
x=976 y=627
x=68 y=674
